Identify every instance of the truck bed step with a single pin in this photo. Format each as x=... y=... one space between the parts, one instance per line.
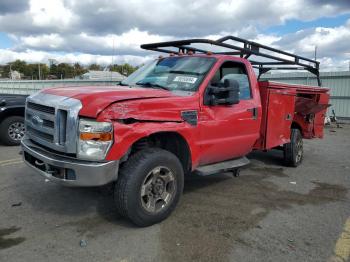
x=222 y=166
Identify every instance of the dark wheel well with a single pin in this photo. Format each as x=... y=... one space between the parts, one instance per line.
x=11 y=112
x=170 y=141
x=295 y=125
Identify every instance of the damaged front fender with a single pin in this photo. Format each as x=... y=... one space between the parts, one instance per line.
x=125 y=135
x=137 y=119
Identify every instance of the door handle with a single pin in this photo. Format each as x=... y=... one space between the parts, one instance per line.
x=254 y=111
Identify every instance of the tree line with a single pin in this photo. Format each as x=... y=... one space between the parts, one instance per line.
x=58 y=71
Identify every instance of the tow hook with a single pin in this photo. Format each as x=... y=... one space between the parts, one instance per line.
x=37 y=163
x=48 y=170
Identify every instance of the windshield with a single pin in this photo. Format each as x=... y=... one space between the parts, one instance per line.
x=172 y=73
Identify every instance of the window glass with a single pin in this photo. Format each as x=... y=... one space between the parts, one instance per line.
x=234 y=71
x=172 y=73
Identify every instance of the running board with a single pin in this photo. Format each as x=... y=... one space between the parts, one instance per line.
x=222 y=166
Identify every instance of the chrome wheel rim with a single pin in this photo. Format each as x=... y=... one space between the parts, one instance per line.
x=299 y=148
x=158 y=189
x=16 y=131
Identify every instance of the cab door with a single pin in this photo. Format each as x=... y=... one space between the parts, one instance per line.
x=229 y=131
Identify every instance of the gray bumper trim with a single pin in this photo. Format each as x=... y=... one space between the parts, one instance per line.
x=86 y=173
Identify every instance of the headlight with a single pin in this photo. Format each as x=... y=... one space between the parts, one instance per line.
x=95 y=139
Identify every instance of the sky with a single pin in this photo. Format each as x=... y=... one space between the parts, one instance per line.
x=111 y=31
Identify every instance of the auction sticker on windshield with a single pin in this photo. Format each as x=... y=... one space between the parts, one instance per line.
x=185 y=79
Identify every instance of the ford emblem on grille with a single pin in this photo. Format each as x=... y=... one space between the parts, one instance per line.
x=36 y=120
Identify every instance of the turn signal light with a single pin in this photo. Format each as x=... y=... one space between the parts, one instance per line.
x=96 y=136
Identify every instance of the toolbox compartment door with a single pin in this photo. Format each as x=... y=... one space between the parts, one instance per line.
x=279 y=117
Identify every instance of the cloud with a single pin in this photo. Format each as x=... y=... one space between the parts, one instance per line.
x=330 y=42
x=88 y=30
x=125 y=43
x=32 y=56
x=177 y=18
x=339 y=3
x=42 y=16
x=10 y=6
x=198 y=17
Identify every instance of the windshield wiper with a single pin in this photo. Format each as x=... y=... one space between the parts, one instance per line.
x=184 y=72
x=152 y=85
x=123 y=84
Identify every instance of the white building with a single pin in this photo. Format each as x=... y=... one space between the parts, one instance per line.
x=102 y=75
x=15 y=75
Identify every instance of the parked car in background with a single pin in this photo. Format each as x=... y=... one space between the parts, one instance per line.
x=12 y=118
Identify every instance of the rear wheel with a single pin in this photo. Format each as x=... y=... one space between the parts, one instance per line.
x=294 y=151
x=12 y=130
x=149 y=186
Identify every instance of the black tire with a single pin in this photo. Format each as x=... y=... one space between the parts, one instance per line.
x=293 y=151
x=132 y=178
x=8 y=135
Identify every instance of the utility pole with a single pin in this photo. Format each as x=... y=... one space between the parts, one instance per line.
x=39 y=71
x=315 y=52
x=112 y=60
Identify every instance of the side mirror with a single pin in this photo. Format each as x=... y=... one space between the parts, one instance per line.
x=224 y=94
x=233 y=91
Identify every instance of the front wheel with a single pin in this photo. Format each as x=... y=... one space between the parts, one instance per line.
x=294 y=151
x=149 y=186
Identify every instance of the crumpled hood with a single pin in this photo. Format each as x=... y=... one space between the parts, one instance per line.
x=96 y=98
x=174 y=108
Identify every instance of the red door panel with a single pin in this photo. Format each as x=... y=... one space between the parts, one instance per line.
x=228 y=132
x=279 y=117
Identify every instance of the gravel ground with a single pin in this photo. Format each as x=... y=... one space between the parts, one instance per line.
x=269 y=213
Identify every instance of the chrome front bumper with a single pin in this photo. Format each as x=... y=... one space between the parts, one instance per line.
x=68 y=171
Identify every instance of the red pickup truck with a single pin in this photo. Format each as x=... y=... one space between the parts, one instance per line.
x=191 y=110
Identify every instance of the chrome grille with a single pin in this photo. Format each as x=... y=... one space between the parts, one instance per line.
x=48 y=123
x=40 y=134
x=52 y=121
x=41 y=108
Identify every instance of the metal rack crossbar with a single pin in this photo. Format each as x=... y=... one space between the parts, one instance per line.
x=281 y=60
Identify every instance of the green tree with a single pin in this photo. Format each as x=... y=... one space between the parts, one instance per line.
x=95 y=67
x=32 y=71
x=65 y=70
x=53 y=70
x=125 y=69
x=17 y=65
x=79 y=70
x=28 y=70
